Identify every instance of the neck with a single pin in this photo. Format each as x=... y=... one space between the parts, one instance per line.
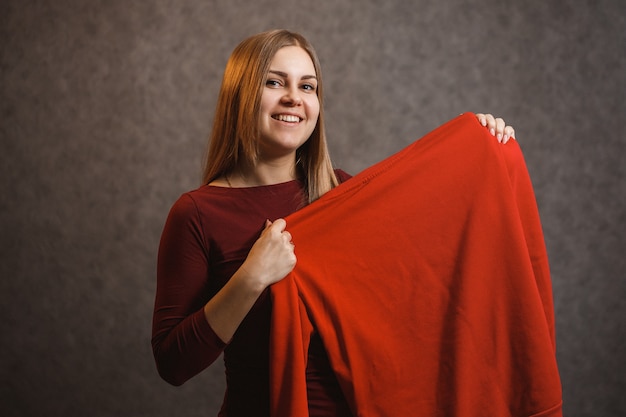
x=265 y=173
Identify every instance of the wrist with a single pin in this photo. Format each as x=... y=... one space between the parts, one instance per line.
x=250 y=281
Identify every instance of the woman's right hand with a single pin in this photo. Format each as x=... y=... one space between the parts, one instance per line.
x=272 y=256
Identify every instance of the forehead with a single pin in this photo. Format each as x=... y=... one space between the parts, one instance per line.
x=293 y=59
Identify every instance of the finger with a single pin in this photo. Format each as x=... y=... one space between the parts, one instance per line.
x=279 y=225
x=491 y=123
x=509 y=133
x=481 y=119
x=500 y=128
x=287 y=236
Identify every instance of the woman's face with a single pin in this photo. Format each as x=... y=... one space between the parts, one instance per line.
x=289 y=103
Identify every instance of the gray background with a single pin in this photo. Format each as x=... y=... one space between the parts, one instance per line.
x=105 y=109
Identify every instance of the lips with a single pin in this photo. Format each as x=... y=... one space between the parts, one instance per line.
x=290 y=118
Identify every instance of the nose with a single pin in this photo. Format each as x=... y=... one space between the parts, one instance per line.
x=292 y=97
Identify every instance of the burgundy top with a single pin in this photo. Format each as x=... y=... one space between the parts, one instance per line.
x=206 y=238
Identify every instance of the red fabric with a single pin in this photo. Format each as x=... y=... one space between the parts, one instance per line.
x=427 y=278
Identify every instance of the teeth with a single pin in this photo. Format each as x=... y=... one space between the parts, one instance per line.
x=287 y=118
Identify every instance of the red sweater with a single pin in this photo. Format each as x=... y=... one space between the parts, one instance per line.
x=427 y=278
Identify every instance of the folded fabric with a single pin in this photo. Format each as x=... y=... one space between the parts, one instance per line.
x=427 y=278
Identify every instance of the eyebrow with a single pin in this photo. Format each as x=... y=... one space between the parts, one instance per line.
x=285 y=75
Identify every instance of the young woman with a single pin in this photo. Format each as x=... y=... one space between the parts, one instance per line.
x=226 y=242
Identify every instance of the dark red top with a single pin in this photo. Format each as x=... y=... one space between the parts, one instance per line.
x=207 y=236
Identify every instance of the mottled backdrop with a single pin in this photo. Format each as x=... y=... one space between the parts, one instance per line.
x=104 y=112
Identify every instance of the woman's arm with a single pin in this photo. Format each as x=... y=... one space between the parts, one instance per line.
x=188 y=332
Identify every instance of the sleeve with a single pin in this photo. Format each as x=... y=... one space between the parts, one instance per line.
x=183 y=342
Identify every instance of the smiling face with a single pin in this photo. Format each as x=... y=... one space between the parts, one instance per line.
x=289 y=103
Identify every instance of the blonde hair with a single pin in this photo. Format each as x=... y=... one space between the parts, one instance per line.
x=234 y=138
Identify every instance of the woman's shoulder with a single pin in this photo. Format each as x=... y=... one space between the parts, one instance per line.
x=204 y=196
x=342 y=176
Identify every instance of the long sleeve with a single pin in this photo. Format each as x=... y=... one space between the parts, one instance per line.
x=183 y=342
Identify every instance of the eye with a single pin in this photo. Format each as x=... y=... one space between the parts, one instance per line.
x=308 y=87
x=273 y=83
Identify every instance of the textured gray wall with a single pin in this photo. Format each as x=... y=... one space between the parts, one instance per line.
x=104 y=111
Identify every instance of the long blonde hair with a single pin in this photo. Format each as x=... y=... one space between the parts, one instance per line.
x=234 y=138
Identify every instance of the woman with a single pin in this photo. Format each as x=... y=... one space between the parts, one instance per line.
x=225 y=243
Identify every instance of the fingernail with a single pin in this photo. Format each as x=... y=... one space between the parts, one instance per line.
x=492 y=131
x=505 y=139
x=483 y=122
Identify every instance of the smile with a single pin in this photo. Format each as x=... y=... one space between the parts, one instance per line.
x=287 y=118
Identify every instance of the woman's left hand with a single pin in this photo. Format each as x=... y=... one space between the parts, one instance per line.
x=496 y=127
